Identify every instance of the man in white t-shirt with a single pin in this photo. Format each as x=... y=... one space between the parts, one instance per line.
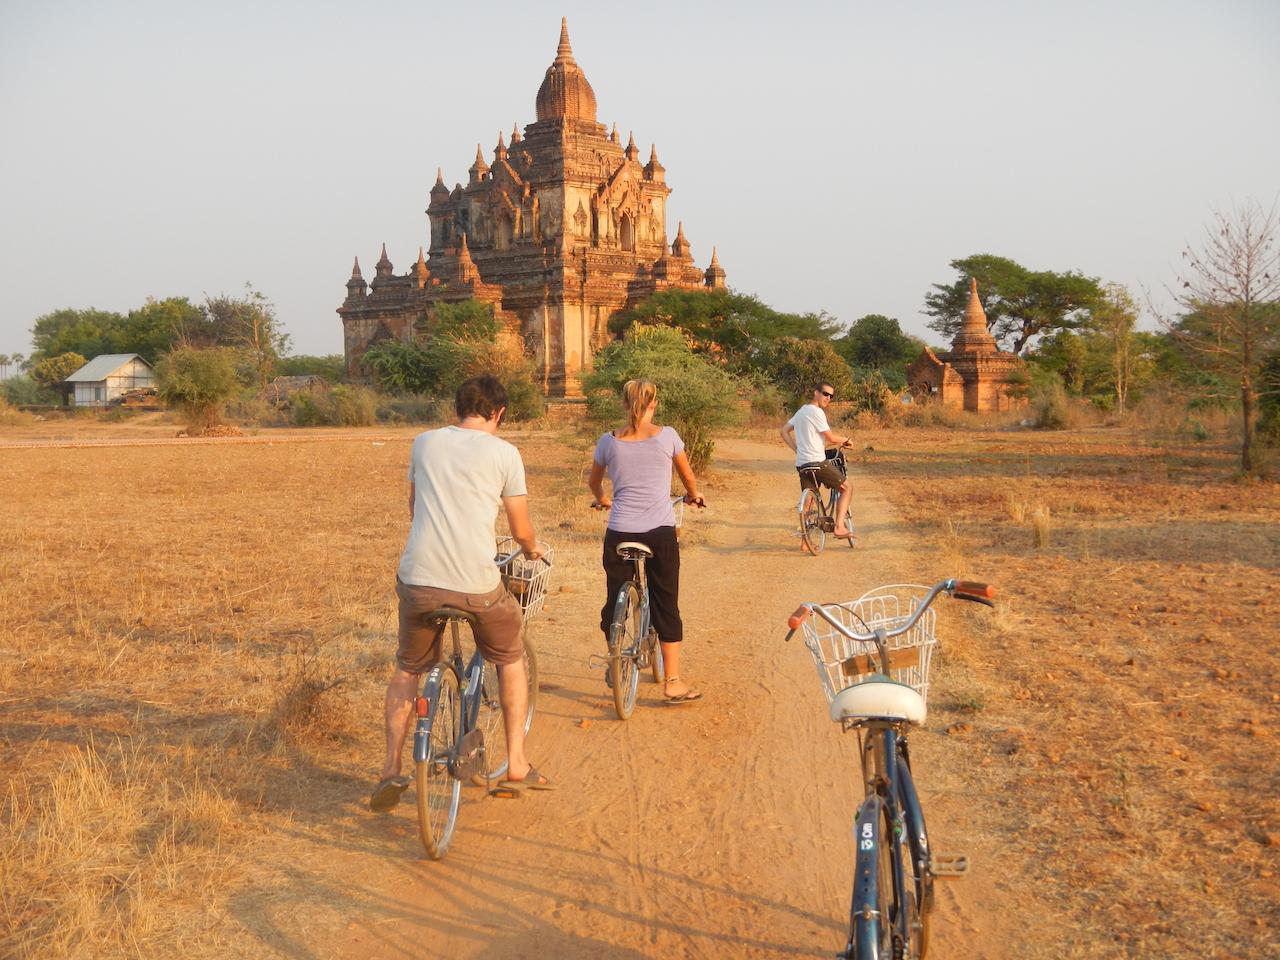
x=808 y=434
x=457 y=477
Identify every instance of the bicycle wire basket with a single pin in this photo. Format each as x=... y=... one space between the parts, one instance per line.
x=526 y=580
x=842 y=662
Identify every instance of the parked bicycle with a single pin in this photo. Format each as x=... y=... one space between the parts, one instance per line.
x=872 y=656
x=818 y=517
x=633 y=643
x=459 y=734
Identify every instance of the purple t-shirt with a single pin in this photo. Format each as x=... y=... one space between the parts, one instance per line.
x=640 y=471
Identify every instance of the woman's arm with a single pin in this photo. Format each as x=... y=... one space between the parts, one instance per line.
x=595 y=483
x=685 y=472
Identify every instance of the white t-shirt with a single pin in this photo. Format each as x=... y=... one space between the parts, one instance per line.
x=459 y=477
x=810 y=423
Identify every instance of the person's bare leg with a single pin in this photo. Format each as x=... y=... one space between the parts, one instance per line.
x=842 y=508
x=399 y=713
x=513 y=693
x=671 y=667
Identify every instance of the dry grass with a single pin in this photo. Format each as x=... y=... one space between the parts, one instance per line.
x=1124 y=692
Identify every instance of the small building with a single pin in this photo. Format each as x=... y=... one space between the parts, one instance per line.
x=975 y=374
x=105 y=379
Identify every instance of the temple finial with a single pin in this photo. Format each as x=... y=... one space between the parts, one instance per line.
x=439 y=176
x=355 y=271
x=564 y=51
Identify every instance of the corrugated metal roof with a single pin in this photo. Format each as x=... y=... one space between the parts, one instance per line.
x=99 y=368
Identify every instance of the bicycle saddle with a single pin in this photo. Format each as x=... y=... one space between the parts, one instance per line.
x=878 y=698
x=451 y=613
x=628 y=549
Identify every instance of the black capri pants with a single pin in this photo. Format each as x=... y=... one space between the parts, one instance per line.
x=662 y=571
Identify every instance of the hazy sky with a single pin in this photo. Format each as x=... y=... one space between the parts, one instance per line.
x=837 y=154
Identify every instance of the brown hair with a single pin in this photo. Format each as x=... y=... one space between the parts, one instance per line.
x=481 y=396
x=637 y=395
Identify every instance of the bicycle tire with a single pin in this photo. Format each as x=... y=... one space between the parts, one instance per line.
x=438 y=791
x=623 y=644
x=656 y=666
x=489 y=714
x=815 y=538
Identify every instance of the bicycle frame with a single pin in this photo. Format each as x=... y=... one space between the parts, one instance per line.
x=470 y=678
x=641 y=580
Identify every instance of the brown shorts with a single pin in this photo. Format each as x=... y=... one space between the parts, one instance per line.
x=496 y=630
x=828 y=475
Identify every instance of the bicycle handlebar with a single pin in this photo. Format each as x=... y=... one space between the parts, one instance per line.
x=958 y=589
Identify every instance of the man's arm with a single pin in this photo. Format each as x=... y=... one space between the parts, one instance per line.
x=521 y=526
x=836 y=441
x=789 y=435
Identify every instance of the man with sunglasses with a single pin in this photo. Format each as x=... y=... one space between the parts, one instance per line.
x=808 y=434
x=458 y=475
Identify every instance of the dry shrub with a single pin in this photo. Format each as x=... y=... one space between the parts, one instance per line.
x=866 y=420
x=927 y=413
x=1041 y=526
x=1017 y=509
x=118 y=855
x=312 y=704
x=10 y=417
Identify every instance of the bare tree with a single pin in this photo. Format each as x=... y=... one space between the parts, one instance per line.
x=1230 y=292
x=1115 y=320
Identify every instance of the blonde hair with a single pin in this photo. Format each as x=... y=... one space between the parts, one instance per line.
x=637 y=396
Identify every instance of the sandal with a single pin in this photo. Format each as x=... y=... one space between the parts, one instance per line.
x=386 y=795
x=533 y=780
x=688 y=696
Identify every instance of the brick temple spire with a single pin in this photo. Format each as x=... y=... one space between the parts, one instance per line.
x=500 y=151
x=680 y=246
x=653 y=170
x=356 y=287
x=564 y=51
x=478 y=170
x=515 y=134
x=632 y=150
x=974 y=337
x=466 y=266
x=714 y=277
x=565 y=93
x=383 y=268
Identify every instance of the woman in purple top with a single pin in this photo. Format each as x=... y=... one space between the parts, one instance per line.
x=639 y=459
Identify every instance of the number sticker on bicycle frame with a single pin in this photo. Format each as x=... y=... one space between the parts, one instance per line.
x=868 y=837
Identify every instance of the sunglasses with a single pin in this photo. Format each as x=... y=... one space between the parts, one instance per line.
x=827 y=395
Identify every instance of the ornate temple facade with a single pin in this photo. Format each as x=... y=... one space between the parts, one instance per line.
x=563 y=229
x=975 y=374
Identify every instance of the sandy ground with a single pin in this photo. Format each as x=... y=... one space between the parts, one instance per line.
x=708 y=830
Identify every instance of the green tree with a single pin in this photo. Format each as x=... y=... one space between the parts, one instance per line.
x=199 y=382
x=877 y=343
x=1113 y=325
x=249 y=325
x=331 y=366
x=734 y=329
x=468 y=319
x=694 y=396
x=1020 y=304
x=796 y=365
x=53 y=372
x=155 y=327
x=86 y=332
x=1230 y=292
x=24 y=390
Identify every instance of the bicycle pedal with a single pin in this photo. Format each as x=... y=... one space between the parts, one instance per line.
x=948 y=865
x=828 y=524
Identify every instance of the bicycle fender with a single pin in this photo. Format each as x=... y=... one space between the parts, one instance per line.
x=421 y=731
x=867 y=837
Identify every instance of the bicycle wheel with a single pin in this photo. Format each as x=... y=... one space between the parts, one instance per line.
x=815 y=538
x=656 y=666
x=489 y=715
x=848 y=516
x=624 y=645
x=438 y=792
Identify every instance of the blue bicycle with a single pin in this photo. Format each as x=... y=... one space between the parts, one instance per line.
x=459 y=734
x=872 y=656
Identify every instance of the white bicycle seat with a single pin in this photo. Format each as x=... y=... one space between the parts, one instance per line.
x=878 y=699
x=639 y=548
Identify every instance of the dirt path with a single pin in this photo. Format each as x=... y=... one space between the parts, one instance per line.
x=711 y=830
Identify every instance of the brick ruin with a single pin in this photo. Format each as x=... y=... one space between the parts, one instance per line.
x=975 y=374
x=563 y=229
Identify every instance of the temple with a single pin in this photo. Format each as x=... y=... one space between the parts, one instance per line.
x=975 y=374
x=565 y=227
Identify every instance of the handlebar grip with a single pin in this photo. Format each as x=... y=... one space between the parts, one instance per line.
x=972 y=590
x=797 y=618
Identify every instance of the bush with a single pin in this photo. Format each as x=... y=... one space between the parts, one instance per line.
x=10 y=417
x=694 y=396
x=198 y=382
x=343 y=406
x=414 y=408
x=796 y=365
x=22 y=390
x=330 y=367
x=1050 y=408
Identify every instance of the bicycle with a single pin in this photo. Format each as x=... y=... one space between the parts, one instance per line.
x=877 y=683
x=633 y=643
x=459 y=734
x=818 y=518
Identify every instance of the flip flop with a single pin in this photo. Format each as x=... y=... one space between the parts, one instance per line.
x=386 y=795
x=533 y=780
x=689 y=696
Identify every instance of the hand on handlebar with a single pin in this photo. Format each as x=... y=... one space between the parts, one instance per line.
x=604 y=503
x=698 y=501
